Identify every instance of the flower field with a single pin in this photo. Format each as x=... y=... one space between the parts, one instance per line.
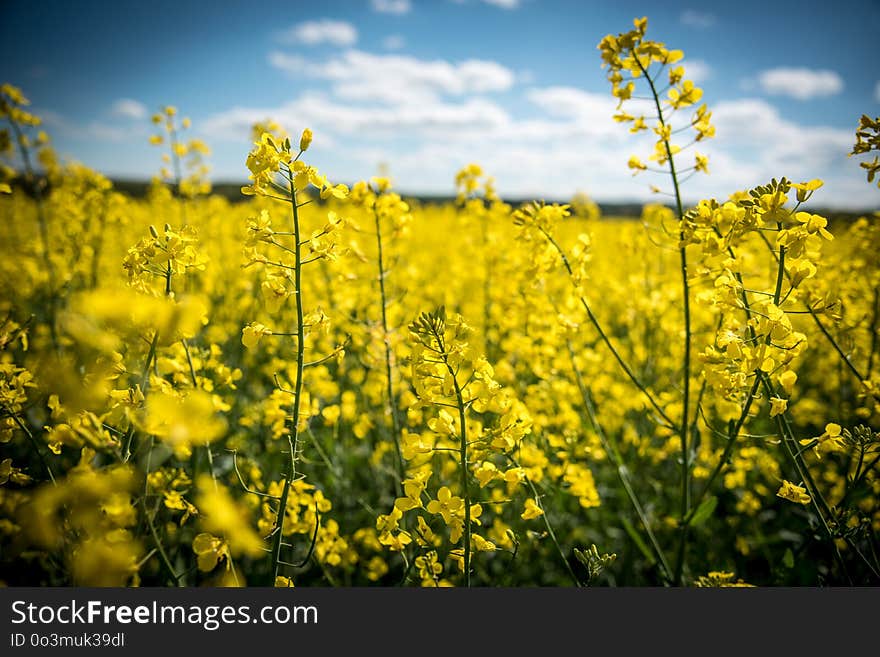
x=328 y=384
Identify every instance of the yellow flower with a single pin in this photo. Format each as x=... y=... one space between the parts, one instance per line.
x=720 y=579
x=305 y=140
x=209 y=551
x=221 y=514
x=814 y=224
x=446 y=505
x=787 y=380
x=251 y=334
x=832 y=435
x=183 y=422
x=10 y=473
x=778 y=406
x=686 y=94
x=444 y=423
x=793 y=493
x=428 y=566
x=481 y=544
x=636 y=164
x=806 y=189
x=532 y=510
x=486 y=472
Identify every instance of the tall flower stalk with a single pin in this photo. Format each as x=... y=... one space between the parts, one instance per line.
x=266 y=162
x=631 y=57
x=21 y=122
x=389 y=212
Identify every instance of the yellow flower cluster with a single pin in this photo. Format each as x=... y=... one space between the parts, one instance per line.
x=254 y=394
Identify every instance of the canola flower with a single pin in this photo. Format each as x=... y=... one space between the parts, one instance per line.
x=296 y=390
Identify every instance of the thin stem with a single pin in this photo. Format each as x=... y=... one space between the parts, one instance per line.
x=686 y=297
x=622 y=471
x=817 y=500
x=164 y=555
x=463 y=459
x=852 y=368
x=244 y=485
x=34 y=443
x=465 y=487
x=43 y=225
x=293 y=436
x=386 y=342
x=550 y=532
x=632 y=377
x=732 y=437
x=192 y=374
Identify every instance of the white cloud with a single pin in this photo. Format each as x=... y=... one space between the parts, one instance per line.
x=697 y=70
x=397 y=7
x=318 y=111
x=755 y=120
x=877 y=91
x=393 y=42
x=357 y=75
x=756 y=143
x=312 y=33
x=129 y=109
x=572 y=103
x=800 y=83
x=61 y=126
x=567 y=141
x=698 y=19
x=503 y=4
x=571 y=144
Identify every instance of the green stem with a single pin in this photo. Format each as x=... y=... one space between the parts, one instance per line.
x=550 y=532
x=820 y=506
x=192 y=375
x=852 y=368
x=626 y=369
x=386 y=342
x=157 y=541
x=789 y=441
x=43 y=228
x=463 y=459
x=732 y=436
x=733 y=433
x=686 y=297
x=463 y=455
x=293 y=436
x=622 y=471
x=34 y=443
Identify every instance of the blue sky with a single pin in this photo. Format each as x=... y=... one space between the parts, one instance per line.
x=424 y=87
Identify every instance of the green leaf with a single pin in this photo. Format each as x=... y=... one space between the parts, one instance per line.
x=704 y=511
x=788 y=558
